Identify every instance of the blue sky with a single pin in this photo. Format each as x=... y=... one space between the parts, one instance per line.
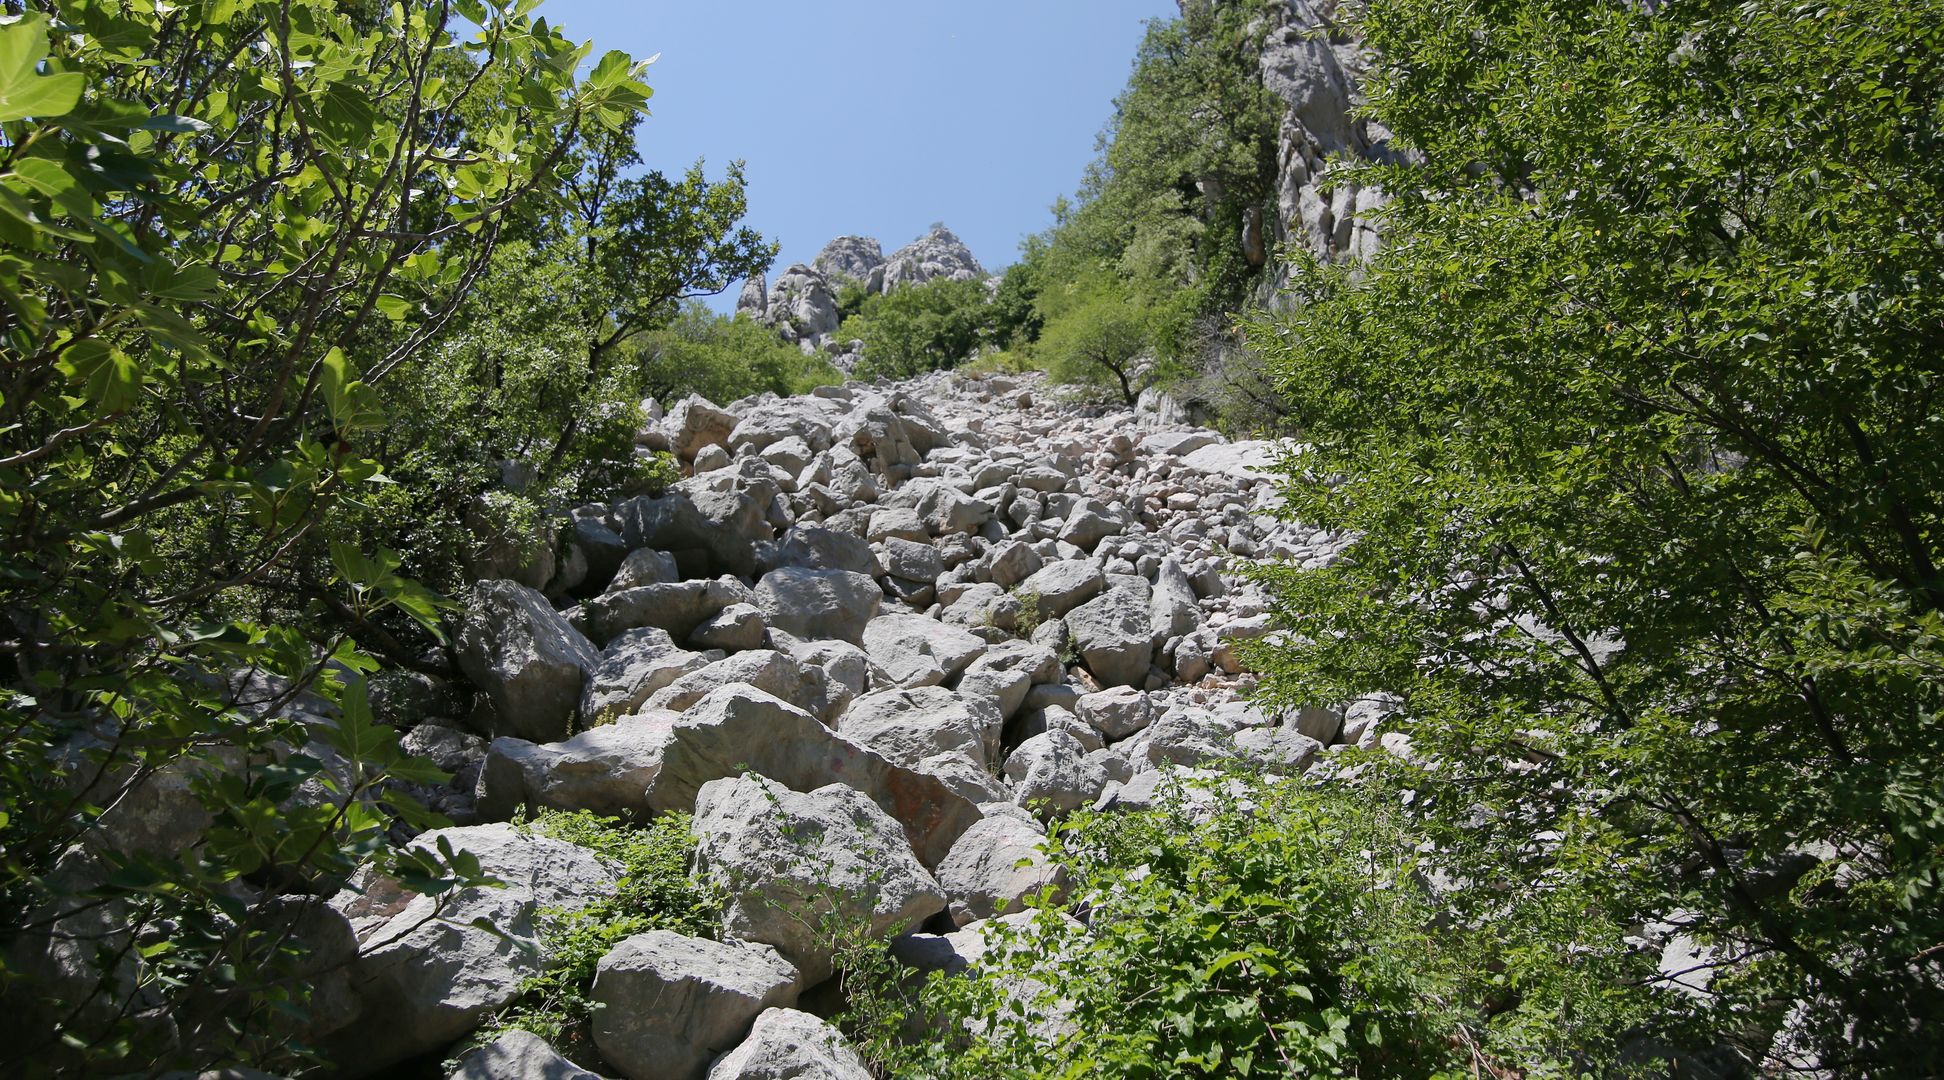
x=878 y=117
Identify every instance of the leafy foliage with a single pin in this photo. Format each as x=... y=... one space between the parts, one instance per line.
x=1634 y=423
x=224 y=229
x=920 y=328
x=657 y=892
x=1248 y=929
x=723 y=358
x=1099 y=337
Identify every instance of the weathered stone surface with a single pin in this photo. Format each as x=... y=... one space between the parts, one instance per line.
x=937 y=254
x=635 y=664
x=1063 y=586
x=670 y=1004
x=526 y=659
x=788 y=859
x=1052 y=775
x=675 y=607
x=767 y=670
x=817 y=604
x=826 y=549
x=934 y=731
x=1007 y=673
x=1114 y=633
x=907 y=646
x=426 y=973
x=997 y=864
x=1117 y=712
x=606 y=770
x=644 y=566
x=733 y=629
x=911 y=559
x=708 y=532
x=737 y=728
x=696 y=422
x=856 y=259
x=789 y=1045
x=519 y=1055
x=802 y=306
x=1173 y=609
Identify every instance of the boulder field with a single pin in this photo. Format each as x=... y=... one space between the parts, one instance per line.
x=875 y=641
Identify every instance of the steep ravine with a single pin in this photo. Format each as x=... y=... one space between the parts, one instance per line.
x=878 y=638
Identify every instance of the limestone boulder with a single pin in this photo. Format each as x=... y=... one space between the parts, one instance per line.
x=527 y=660
x=677 y=607
x=997 y=865
x=515 y=1055
x=787 y=860
x=635 y=664
x=1114 y=633
x=670 y=1004
x=789 y=1045
x=428 y=970
x=817 y=604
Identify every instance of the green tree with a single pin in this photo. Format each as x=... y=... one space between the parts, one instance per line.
x=224 y=227
x=1634 y=425
x=1095 y=335
x=723 y=358
x=920 y=328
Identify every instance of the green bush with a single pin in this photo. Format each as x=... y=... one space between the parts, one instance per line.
x=657 y=892
x=1634 y=425
x=920 y=328
x=224 y=229
x=1257 y=929
x=1097 y=337
x=723 y=358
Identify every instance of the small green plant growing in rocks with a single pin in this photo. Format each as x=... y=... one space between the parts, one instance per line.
x=657 y=892
x=1029 y=611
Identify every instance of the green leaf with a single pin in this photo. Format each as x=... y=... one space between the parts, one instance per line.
x=24 y=91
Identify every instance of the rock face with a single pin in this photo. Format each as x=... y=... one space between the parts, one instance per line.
x=852 y=259
x=789 y=860
x=1316 y=69
x=526 y=660
x=426 y=973
x=802 y=306
x=669 y=1004
x=937 y=254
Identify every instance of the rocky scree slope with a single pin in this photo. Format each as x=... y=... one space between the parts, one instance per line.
x=876 y=640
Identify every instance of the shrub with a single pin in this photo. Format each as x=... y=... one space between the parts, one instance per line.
x=1256 y=929
x=920 y=328
x=656 y=892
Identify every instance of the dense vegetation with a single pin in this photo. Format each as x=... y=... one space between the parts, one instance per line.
x=283 y=285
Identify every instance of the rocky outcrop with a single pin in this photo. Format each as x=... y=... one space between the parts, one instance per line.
x=937 y=254
x=850 y=260
x=1315 y=68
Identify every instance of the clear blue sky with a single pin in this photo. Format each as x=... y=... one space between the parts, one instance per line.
x=878 y=117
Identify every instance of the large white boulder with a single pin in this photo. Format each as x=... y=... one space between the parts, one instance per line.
x=431 y=969
x=526 y=659
x=790 y=1045
x=790 y=862
x=669 y=1004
